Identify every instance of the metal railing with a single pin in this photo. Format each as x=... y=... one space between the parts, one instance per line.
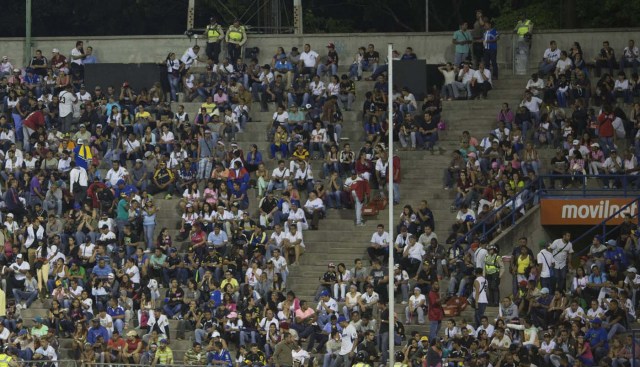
x=576 y=186
x=603 y=228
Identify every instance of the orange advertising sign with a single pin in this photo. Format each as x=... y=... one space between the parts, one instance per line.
x=580 y=211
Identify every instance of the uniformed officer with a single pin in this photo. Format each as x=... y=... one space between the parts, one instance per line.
x=361 y=360
x=6 y=358
x=236 y=37
x=399 y=359
x=493 y=269
x=524 y=30
x=214 y=34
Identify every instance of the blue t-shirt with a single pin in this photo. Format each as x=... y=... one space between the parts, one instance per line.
x=491 y=35
x=595 y=336
x=222 y=355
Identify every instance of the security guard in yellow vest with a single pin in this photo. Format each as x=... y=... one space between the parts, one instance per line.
x=359 y=360
x=524 y=30
x=236 y=38
x=399 y=359
x=493 y=270
x=214 y=34
x=6 y=360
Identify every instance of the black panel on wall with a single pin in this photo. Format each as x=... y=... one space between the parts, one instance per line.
x=411 y=74
x=138 y=75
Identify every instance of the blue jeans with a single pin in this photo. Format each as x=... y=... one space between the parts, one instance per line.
x=148 y=234
x=490 y=57
x=434 y=328
x=482 y=307
x=21 y=296
x=172 y=310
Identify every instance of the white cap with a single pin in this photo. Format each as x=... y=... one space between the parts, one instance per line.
x=55 y=51
x=215 y=334
x=632 y=270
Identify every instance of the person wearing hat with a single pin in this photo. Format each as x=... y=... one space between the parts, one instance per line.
x=214 y=35
x=164 y=354
x=597 y=337
x=331 y=62
x=327 y=307
x=236 y=37
x=538 y=308
x=283 y=67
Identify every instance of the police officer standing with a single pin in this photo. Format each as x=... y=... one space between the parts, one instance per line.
x=493 y=270
x=215 y=35
x=236 y=38
x=6 y=357
x=524 y=31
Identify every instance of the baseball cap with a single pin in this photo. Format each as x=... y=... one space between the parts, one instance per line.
x=19 y=256
x=55 y=51
x=332 y=265
x=596 y=321
x=424 y=339
x=632 y=270
x=544 y=291
x=324 y=293
x=342 y=319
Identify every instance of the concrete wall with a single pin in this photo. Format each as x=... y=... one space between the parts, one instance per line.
x=529 y=226
x=434 y=47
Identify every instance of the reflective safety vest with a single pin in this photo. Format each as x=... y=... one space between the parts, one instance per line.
x=491 y=264
x=213 y=32
x=361 y=364
x=523 y=27
x=236 y=34
x=5 y=359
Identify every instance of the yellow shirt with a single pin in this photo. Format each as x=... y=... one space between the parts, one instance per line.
x=523 y=264
x=210 y=107
x=4 y=360
x=143 y=115
x=164 y=357
x=233 y=282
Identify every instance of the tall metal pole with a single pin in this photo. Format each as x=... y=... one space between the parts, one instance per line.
x=426 y=16
x=390 y=196
x=191 y=14
x=27 y=36
x=297 y=17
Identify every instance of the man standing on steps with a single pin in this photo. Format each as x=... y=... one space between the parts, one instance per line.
x=493 y=270
x=436 y=312
x=546 y=265
x=479 y=295
x=349 y=344
x=215 y=35
x=561 y=250
x=361 y=193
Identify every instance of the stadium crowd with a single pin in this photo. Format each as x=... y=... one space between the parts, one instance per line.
x=81 y=170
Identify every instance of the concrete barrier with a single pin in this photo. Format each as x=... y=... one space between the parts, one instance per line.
x=433 y=47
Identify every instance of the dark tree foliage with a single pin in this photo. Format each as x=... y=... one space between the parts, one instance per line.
x=162 y=17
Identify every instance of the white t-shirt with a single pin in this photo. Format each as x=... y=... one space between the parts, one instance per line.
x=114 y=176
x=533 y=105
x=309 y=58
x=280 y=174
x=349 y=337
x=552 y=55
x=134 y=274
x=415 y=301
x=545 y=258
x=16 y=269
x=76 y=52
x=561 y=252
x=380 y=239
x=281 y=117
x=106 y=321
x=293 y=238
x=67 y=99
x=331 y=303
x=278 y=238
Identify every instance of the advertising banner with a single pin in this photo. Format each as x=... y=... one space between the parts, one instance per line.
x=580 y=211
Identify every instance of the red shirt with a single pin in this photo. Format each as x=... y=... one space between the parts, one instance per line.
x=436 y=312
x=361 y=188
x=117 y=345
x=606 y=125
x=198 y=237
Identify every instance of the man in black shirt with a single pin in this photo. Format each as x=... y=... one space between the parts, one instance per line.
x=427 y=135
x=39 y=64
x=559 y=166
x=616 y=319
